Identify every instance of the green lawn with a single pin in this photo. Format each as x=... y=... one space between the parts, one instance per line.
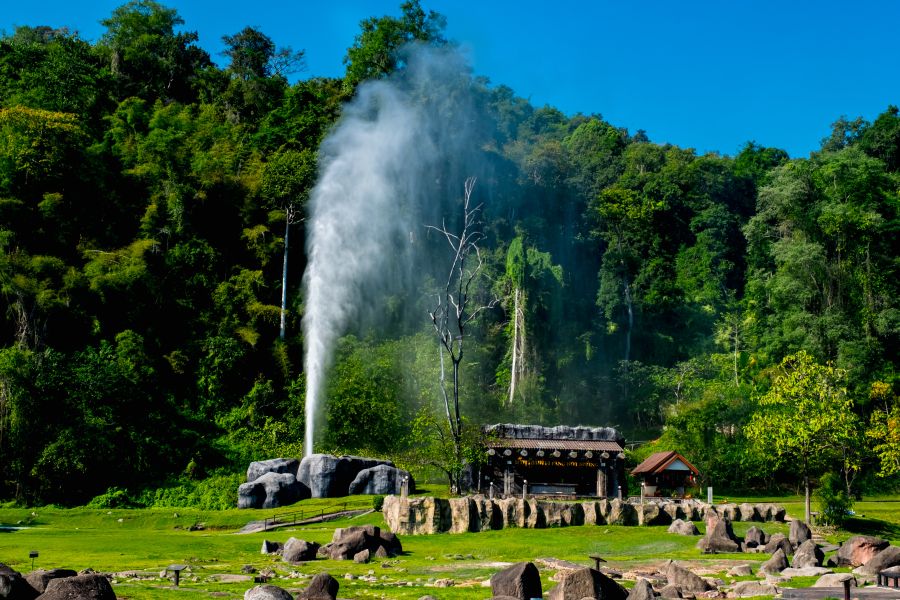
x=146 y=541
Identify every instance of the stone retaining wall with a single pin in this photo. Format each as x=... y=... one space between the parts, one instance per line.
x=424 y=515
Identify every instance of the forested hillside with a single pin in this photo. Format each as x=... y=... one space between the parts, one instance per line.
x=146 y=196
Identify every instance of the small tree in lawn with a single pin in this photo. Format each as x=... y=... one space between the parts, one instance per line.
x=805 y=419
x=452 y=315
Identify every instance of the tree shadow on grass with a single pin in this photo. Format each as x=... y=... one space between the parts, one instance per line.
x=876 y=527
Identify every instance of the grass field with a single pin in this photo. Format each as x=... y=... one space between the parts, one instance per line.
x=139 y=544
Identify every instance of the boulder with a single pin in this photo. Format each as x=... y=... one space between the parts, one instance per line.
x=744 y=570
x=887 y=558
x=593 y=513
x=685 y=580
x=511 y=512
x=14 y=586
x=295 y=550
x=329 y=476
x=749 y=589
x=83 y=587
x=719 y=536
x=39 y=578
x=670 y=591
x=271 y=490
x=489 y=516
x=808 y=555
x=562 y=514
x=267 y=592
x=776 y=542
x=683 y=528
x=770 y=512
x=755 y=537
x=858 y=550
x=275 y=465
x=621 y=513
x=587 y=583
x=652 y=514
x=322 y=587
x=348 y=542
x=416 y=516
x=463 y=516
x=835 y=580
x=799 y=533
x=776 y=564
x=269 y=547
x=642 y=590
x=748 y=512
x=791 y=572
x=390 y=543
x=521 y=581
x=380 y=479
x=362 y=557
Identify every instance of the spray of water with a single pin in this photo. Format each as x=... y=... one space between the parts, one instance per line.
x=368 y=202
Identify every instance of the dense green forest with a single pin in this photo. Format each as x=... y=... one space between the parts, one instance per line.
x=145 y=193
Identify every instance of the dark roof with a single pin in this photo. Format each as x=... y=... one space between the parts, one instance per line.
x=658 y=462
x=596 y=445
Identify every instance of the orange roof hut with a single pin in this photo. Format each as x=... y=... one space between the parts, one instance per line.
x=666 y=473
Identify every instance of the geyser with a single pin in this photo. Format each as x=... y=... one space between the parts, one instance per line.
x=368 y=203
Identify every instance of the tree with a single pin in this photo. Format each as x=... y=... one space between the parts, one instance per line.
x=805 y=419
x=884 y=428
x=454 y=313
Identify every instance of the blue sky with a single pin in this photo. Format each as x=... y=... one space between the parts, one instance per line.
x=706 y=75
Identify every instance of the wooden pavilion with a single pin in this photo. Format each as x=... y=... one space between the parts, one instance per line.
x=666 y=473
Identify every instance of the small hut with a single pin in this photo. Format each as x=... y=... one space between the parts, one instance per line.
x=666 y=474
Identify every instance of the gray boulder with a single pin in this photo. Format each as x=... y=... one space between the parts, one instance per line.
x=887 y=558
x=275 y=465
x=322 y=587
x=380 y=479
x=776 y=542
x=744 y=570
x=267 y=592
x=295 y=550
x=749 y=589
x=347 y=542
x=799 y=533
x=271 y=490
x=521 y=581
x=670 y=591
x=621 y=513
x=14 y=586
x=719 y=535
x=776 y=564
x=755 y=537
x=329 y=476
x=587 y=583
x=835 y=580
x=653 y=514
x=82 y=587
x=683 y=528
x=362 y=556
x=808 y=555
x=858 y=550
x=685 y=580
x=642 y=590
x=272 y=547
x=39 y=578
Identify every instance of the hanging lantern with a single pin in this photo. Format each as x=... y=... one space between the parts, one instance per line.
x=507 y=452
x=589 y=454
x=540 y=453
x=524 y=452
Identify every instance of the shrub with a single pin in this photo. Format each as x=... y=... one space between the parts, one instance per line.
x=113 y=498
x=834 y=502
x=377 y=502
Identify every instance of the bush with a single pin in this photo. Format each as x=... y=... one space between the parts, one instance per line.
x=113 y=498
x=217 y=492
x=377 y=502
x=834 y=502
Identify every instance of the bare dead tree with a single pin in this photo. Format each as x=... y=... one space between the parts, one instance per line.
x=290 y=217
x=453 y=314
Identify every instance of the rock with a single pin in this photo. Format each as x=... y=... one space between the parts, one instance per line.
x=748 y=512
x=82 y=587
x=417 y=516
x=489 y=515
x=380 y=479
x=329 y=476
x=390 y=543
x=670 y=591
x=719 y=536
x=295 y=550
x=322 y=587
x=621 y=513
x=562 y=514
x=348 y=542
x=521 y=581
x=685 y=580
x=14 y=586
x=267 y=592
x=770 y=512
x=791 y=572
x=587 y=583
x=560 y=432
x=642 y=590
x=776 y=542
x=271 y=490
x=835 y=580
x=652 y=514
x=748 y=589
x=858 y=550
x=744 y=570
x=808 y=555
x=683 y=528
x=463 y=516
x=593 y=513
x=444 y=582
x=275 y=465
x=887 y=558
x=776 y=564
x=362 y=557
x=39 y=579
x=755 y=537
x=799 y=533
x=248 y=569
x=271 y=547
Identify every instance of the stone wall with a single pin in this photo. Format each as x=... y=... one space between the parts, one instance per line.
x=425 y=515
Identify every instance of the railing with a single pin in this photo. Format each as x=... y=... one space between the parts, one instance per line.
x=294 y=517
